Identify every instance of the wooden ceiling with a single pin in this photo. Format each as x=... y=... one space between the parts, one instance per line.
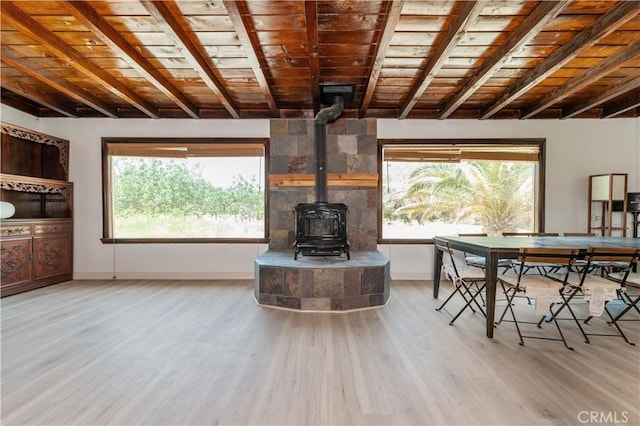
x=264 y=58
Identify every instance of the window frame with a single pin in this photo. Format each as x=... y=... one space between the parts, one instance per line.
x=538 y=188
x=107 y=238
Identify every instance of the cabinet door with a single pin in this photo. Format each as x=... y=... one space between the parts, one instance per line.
x=52 y=255
x=16 y=262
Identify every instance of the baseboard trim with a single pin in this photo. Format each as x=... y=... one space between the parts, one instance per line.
x=206 y=276
x=412 y=277
x=163 y=276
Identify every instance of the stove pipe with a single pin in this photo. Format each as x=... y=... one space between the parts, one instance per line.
x=324 y=116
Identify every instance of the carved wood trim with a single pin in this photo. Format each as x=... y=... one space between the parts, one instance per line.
x=16 y=263
x=30 y=135
x=52 y=228
x=15 y=231
x=37 y=185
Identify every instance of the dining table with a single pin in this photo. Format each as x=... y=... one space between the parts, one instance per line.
x=495 y=248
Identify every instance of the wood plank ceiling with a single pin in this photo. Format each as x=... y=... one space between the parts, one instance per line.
x=264 y=58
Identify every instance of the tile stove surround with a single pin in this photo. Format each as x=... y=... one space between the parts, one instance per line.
x=318 y=283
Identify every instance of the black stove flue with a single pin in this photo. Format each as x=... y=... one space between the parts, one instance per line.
x=321 y=227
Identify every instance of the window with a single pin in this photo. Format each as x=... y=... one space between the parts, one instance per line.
x=184 y=190
x=446 y=187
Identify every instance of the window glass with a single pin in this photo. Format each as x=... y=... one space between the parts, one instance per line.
x=438 y=189
x=169 y=191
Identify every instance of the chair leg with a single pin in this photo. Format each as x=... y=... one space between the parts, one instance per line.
x=467 y=291
x=614 y=321
x=630 y=303
x=449 y=298
x=472 y=299
x=515 y=321
x=480 y=291
x=555 y=321
x=549 y=317
x=509 y=301
x=565 y=303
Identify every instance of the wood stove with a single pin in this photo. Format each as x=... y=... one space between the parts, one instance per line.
x=321 y=227
x=321 y=230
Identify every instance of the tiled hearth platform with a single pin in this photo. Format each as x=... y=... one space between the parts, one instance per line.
x=318 y=283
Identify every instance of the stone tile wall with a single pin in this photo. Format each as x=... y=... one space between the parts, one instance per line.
x=351 y=148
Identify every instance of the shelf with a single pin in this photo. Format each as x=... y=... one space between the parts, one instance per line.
x=333 y=179
x=30 y=153
x=32 y=184
x=605 y=190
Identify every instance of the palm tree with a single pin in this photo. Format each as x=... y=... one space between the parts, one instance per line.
x=496 y=195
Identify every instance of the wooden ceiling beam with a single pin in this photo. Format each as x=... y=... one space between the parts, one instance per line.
x=621 y=106
x=311 y=16
x=175 y=27
x=17 y=61
x=605 y=25
x=18 y=102
x=38 y=97
x=532 y=25
x=88 y=17
x=32 y=28
x=467 y=16
x=241 y=20
x=391 y=18
x=626 y=85
x=584 y=79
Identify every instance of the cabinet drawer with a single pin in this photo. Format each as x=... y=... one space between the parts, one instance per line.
x=52 y=228
x=15 y=230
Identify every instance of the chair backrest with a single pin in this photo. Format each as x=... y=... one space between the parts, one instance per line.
x=548 y=255
x=579 y=234
x=447 y=257
x=530 y=234
x=628 y=256
x=473 y=235
x=613 y=254
x=560 y=256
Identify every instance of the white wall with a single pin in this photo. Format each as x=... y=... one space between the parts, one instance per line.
x=18 y=118
x=575 y=150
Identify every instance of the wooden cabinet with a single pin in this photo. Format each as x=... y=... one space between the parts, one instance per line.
x=35 y=253
x=37 y=242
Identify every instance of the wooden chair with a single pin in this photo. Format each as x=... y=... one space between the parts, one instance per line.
x=598 y=291
x=468 y=281
x=545 y=290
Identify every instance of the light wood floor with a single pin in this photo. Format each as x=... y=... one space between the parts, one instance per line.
x=202 y=352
